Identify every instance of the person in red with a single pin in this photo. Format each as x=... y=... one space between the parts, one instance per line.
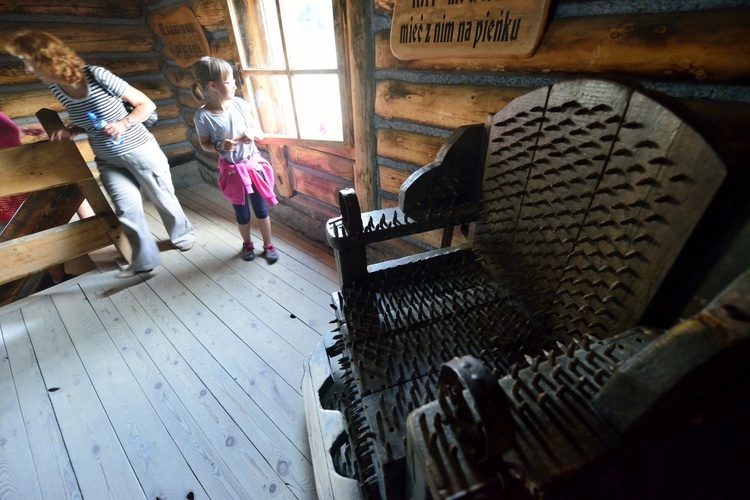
x=10 y=136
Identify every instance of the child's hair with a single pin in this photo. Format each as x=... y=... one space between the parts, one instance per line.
x=209 y=69
x=46 y=51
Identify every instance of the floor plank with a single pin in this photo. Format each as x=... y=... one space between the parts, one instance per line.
x=15 y=481
x=54 y=471
x=184 y=380
x=89 y=437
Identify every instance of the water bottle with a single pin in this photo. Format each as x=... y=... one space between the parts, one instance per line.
x=100 y=124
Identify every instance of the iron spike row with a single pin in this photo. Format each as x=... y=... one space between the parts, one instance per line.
x=379 y=421
x=600 y=376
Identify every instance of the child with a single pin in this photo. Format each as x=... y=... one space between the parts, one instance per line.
x=224 y=124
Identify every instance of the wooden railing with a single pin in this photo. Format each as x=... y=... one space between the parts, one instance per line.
x=40 y=235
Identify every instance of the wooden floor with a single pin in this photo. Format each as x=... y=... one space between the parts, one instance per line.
x=182 y=384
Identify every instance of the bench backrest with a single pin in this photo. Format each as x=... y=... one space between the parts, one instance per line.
x=590 y=190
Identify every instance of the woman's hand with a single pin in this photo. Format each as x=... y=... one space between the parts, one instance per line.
x=65 y=133
x=115 y=129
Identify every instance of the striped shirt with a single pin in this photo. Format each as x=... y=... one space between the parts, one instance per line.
x=103 y=99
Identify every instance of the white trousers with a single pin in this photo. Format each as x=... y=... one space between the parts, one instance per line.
x=123 y=177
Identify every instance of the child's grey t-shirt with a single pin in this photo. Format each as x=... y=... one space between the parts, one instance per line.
x=227 y=125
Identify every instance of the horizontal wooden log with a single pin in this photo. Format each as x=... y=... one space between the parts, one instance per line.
x=41 y=165
x=27 y=255
x=187 y=100
x=189 y=116
x=322 y=189
x=210 y=14
x=171 y=133
x=391 y=179
x=445 y=106
x=90 y=38
x=25 y=104
x=342 y=152
x=222 y=48
x=168 y=110
x=450 y=106
x=705 y=46
x=14 y=72
x=181 y=78
x=79 y=8
x=409 y=147
x=178 y=151
x=334 y=165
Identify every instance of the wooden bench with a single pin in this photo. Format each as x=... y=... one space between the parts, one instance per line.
x=576 y=199
x=40 y=234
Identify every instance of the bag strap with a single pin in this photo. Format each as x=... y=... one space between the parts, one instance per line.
x=99 y=82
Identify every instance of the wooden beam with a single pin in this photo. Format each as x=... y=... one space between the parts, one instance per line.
x=361 y=65
x=35 y=170
x=325 y=162
x=444 y=106
x=94 y=38
x=24 y=256
x=705 y=46
x=409 y=147
x=283 y=179
x=321 y=188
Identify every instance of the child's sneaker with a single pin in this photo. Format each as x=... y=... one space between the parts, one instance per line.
x=248 y=252
x=270 y=253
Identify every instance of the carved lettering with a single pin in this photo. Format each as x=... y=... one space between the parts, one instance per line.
x=467 y=27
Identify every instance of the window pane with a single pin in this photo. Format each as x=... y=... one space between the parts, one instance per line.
x=272 y=54
x=318 y=106
x=309 y=34
x=272 y=97
x=260 y=34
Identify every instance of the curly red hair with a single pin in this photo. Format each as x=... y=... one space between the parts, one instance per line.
x=46 y=51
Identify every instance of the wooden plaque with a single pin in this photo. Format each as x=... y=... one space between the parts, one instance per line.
x=183 y=35
x=467 y=28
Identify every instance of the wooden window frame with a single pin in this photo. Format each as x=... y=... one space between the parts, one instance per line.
x=245 y=72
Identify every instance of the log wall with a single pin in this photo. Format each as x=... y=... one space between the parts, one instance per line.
x=111 y=34
x=696 y=53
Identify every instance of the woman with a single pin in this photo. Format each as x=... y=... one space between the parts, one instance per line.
x=127 y=155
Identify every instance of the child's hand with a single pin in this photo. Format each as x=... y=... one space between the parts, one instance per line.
x=250 y=135
x=226 y=145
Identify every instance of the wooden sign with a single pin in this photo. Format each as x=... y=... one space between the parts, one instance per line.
x=467 y=28
x=183 y=35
